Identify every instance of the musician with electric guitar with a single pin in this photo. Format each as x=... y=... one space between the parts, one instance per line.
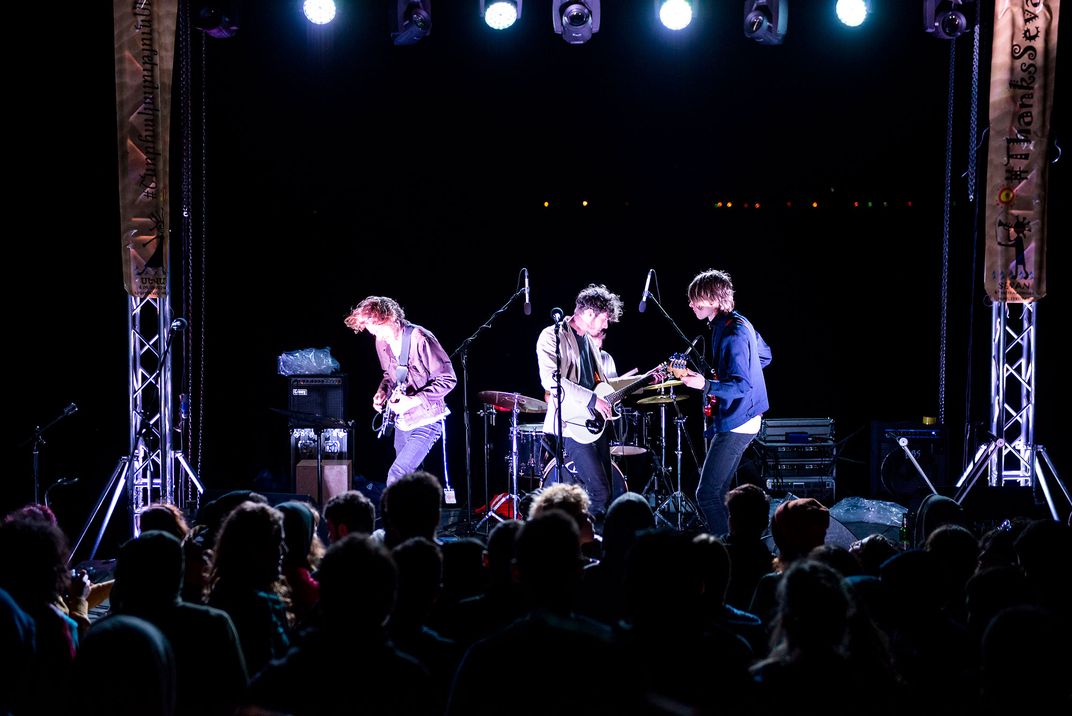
x=588 y=401
x=417 y=376
x=735 y=391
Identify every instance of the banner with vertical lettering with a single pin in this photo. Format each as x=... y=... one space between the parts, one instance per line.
x=1022 y=73
x=144 y=57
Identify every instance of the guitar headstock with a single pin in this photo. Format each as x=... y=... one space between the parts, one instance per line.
x=678 y=365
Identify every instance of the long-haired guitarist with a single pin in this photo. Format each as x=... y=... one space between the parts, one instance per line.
x=411 y=395
x=739 y=355
x=581 y=369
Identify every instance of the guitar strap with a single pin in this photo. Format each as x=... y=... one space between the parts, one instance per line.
x=402 y=371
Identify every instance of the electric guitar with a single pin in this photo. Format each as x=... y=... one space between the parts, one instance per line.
x=585 y=425
x=679 y=368
x=389 y=416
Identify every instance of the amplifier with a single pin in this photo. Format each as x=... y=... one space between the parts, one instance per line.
x=820 y=448
x=323 y=395
x=821 y=488
x=789 y=469
x=798 y=430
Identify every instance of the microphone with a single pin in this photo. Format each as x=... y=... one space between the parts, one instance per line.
x=71 y=409
x=644 y=296
x=179 y=325
x=528 y=304
x=557 y=315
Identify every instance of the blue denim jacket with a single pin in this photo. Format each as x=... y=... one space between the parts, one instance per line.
x=740 y=354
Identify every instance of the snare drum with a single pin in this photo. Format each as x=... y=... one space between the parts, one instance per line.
x=629 y=433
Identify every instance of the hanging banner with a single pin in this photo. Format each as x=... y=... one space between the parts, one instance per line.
x=1021 y=101
x=144 y=57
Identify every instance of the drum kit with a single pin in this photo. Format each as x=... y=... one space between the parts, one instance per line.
x=530 y=460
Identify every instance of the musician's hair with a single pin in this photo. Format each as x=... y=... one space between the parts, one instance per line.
x=374 y=309
x=599 y=298
x=715 y=286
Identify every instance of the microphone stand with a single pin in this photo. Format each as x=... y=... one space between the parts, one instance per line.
x=560 y=458
x=463 y=352
x=38 y=440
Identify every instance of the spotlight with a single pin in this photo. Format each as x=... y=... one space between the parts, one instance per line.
x=944 y=18
x=852 y=12
x=765 y=21
x=413 y=21
x=675 y=14
x=319 y=12
x=576 y=20
x=500 y=14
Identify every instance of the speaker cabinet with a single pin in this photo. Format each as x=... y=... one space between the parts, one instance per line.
x=337 y=476
x=893 y=476
x=323 y=395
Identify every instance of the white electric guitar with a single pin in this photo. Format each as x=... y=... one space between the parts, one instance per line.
x=585 y=425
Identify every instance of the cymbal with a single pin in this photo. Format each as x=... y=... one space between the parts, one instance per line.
x=667 y=384
x=503 y=400
x=661 y=399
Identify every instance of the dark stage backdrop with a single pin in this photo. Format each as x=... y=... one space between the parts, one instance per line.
x=339 y=166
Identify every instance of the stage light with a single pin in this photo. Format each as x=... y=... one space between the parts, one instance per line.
x=413 y=21
x=500 y=14
x=319 y=12
x=852 y=12
x=675 y=14
x=765 y=21
x=576 y=20
x=944 y=18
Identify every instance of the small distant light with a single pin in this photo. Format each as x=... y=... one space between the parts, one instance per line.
x=546 y=204
x=870 y=204
x=584 y=202
x=856 y=204
x=757 y=204
x=789 y=205
x=718 y=204
x=909 y=206
x=815 y=205
x=319 y=12
x=885 y=204
x=729 y=204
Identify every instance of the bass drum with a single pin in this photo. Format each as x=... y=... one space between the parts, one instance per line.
x=550 y=476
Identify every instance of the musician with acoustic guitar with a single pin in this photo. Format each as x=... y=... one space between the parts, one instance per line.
x=736 y=391
x=417 y=375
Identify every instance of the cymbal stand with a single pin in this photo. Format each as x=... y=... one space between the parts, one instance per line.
x=659 y=483
x=677 y=502
x=512 y=496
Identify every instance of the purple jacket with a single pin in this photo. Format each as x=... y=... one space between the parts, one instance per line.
x=431 y=376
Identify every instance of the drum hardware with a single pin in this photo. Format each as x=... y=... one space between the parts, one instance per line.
x=659 y=484
x=516 y=404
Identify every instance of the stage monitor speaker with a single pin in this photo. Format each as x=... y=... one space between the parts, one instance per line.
x=323 y=395
x=893 y=476
x=337 y=475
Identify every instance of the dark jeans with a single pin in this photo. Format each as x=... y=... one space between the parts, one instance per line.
x=721 y=463
x=411 y=447
x=589 y=466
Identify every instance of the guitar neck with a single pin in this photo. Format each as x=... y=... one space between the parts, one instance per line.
x=616 y=396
